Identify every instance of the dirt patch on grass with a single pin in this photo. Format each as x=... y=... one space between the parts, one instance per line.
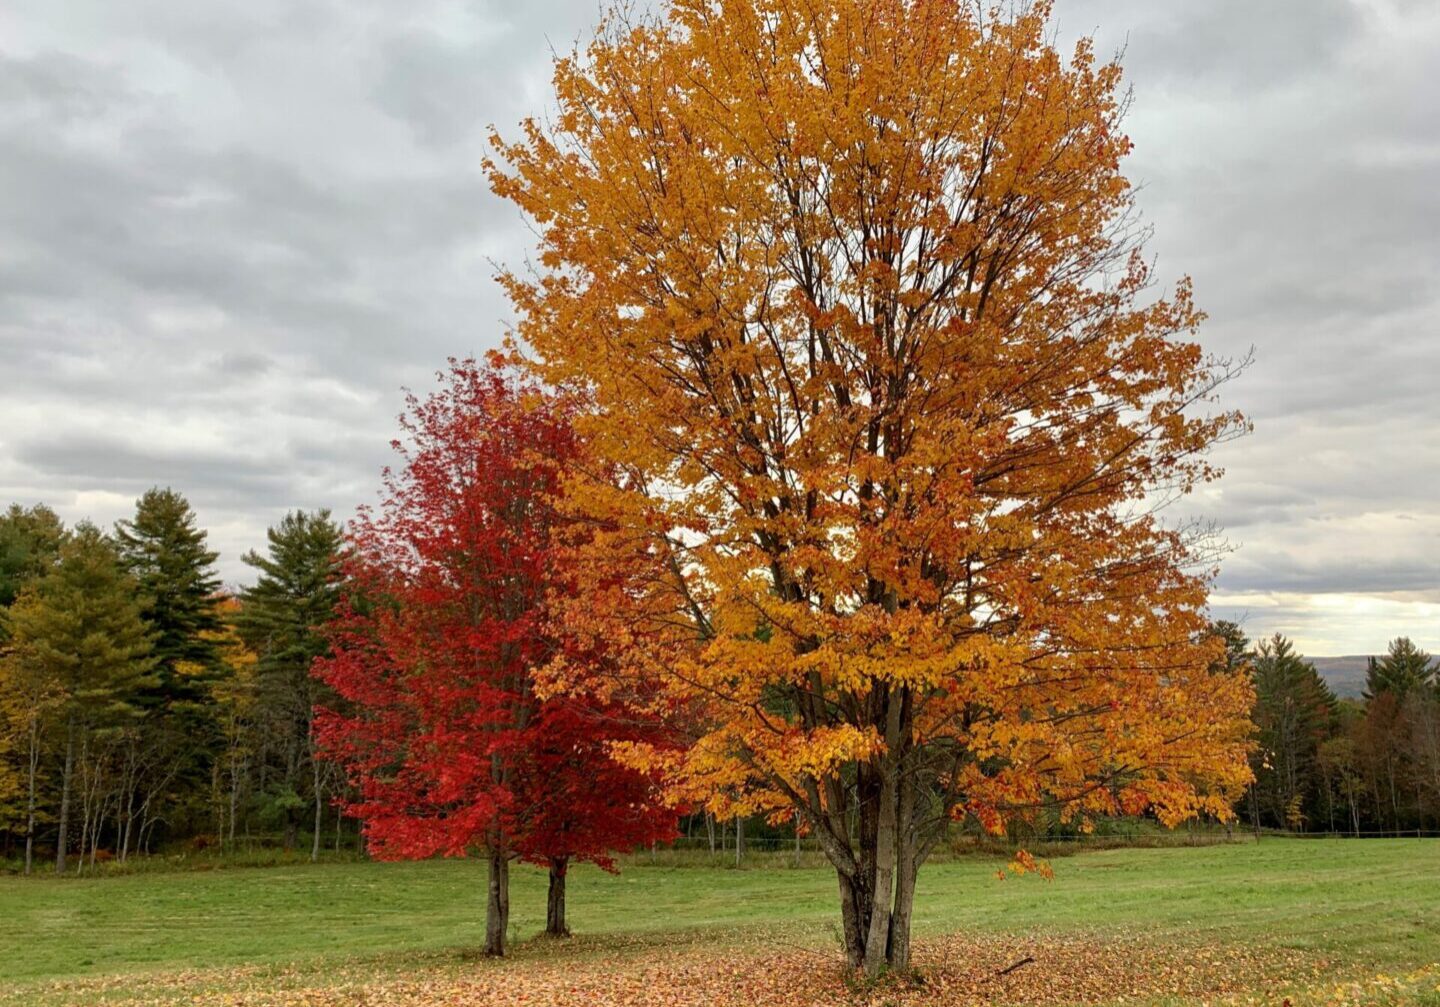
x=953 y=971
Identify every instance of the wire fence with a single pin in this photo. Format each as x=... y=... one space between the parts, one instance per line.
x=723 y=846
x=1361 y=834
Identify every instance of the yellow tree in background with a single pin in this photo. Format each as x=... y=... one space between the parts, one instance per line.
x=235 y=695
x=855 y=290
x=29 y=701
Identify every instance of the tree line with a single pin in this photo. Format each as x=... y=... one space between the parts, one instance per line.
x=142 y=705
x=1322 y=763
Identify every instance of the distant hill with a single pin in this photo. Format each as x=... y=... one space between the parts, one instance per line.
x=1344 y=675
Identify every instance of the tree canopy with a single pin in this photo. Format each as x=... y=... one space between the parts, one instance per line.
x=444 y=735
x=858 y=299
x=163 y=549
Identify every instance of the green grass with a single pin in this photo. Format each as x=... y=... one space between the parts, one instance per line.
x=1374 y=904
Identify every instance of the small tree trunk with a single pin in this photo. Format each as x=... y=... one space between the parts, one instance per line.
x=850 y=918
x=887 y=844
x=899 y=950
x=877 y=939
x=65 y=781
x=234 y=803
x=95 y=834
x=739 y=839
x=85 y=787
x=129 y=821
x=319 y=807
x=710 y=829
x=497 y=909
x=555 y=903
x=907 y=862
x=30 y=798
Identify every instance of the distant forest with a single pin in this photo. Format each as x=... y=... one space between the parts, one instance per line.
x=1367 y=763
x=143 y=708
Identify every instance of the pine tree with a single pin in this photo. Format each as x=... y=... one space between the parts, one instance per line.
x=78 y=632
x=1237 y=646
x=1294 y=712
x=164 y=550
x=29 y=545
x=1404 y=669
x=281 y=620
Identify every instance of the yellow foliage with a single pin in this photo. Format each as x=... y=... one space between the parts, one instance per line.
x=852 y=293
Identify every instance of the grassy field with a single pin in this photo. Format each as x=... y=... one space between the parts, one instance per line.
x=1357 y=906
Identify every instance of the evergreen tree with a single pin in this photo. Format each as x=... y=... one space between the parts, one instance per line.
x=283 y=615
x=1404 y=669
x=1294 y=713
x=79 y=631
x=282 y=619
x=164 y=550
x=29 y=545
x=1237 y=646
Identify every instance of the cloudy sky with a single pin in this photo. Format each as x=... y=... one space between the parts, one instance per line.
x=230 y=234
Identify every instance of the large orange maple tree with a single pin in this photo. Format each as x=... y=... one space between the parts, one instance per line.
x=855 y=288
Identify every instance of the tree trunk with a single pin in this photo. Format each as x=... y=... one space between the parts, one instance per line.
x=65 y=781
x=129 y=821
x=898 y=956
x=319 y=806
x=497 y=909
x=30 y=798
x=85 y=786
x=234 y=802
x=739 y=839
x=851 y=919
x=710 y=829
x=887 y=848
x=555 y=903
x=907 y=860
x=877 y=876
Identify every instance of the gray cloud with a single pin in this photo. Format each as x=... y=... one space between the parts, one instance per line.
x=229 y=235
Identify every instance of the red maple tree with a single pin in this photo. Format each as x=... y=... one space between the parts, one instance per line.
x=456 y=575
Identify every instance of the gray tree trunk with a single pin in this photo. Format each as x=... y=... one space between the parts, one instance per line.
x=30 y=798
x=878 y=867
x=319 y=805
x=497 y=909
x=555 y=924
x=65 y=781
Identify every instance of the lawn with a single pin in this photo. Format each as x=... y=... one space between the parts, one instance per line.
x=1352 y=907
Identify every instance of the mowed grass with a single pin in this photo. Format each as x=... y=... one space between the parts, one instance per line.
x=1366 y=904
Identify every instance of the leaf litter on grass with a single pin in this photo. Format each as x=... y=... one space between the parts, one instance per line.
x=959 y=970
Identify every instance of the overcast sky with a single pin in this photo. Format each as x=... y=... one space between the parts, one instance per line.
x=230 y=233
